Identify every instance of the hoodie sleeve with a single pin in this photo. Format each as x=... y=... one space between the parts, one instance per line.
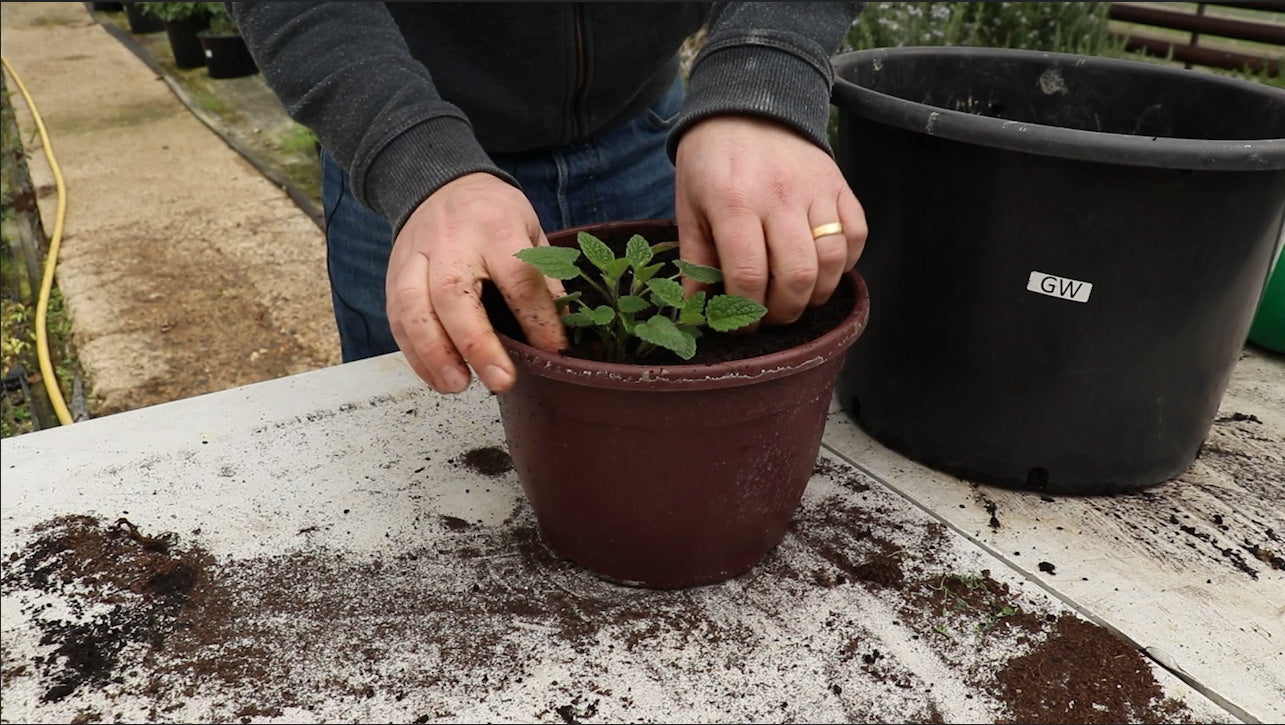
x=769 y=59
x=344 y=71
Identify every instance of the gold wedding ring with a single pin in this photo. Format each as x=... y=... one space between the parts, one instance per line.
x=826 y=230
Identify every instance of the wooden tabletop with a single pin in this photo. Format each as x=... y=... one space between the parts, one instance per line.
x=346 y=545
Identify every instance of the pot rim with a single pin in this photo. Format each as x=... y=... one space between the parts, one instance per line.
x=732 y=373
x=1046 y=140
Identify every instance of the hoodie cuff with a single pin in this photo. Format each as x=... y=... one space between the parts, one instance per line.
x=419 y=162
x=772 y=76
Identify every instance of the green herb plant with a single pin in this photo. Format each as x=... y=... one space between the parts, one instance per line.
x=641 y=307
x=221 y=22
x=170 y=12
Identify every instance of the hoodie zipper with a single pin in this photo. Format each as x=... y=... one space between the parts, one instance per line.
x=577 y=100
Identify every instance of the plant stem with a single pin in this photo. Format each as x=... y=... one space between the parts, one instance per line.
x=600 y=289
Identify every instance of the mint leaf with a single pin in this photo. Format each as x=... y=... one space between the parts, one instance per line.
x=667 y=291
x=638 y=251
x=642 y=274
x=631 y=304
x=693 y=310
x=555 y=262
x=595 y=250
x=596 y=317
x=698 y=272
x=676 y=321
x=612 y=270
x=565 y=301
x=577 y=319
x=732 y=312
x=662 y=332
x=602 y=315
x=696 y=332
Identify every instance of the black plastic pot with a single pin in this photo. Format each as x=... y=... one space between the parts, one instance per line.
x=140 y=23
x=108 y=7
x=226 y=56
x=184 y=43
x=1065 y=254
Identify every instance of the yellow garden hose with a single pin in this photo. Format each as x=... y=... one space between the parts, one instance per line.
x=47 y=374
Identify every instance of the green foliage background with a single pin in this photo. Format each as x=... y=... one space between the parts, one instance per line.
x=1069 y=27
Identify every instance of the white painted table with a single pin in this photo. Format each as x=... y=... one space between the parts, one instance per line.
x=350 y=565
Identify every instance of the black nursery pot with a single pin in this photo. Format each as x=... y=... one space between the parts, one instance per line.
x=141 y=23
x=226 y=56
x=1065 y=255
x=184 y=43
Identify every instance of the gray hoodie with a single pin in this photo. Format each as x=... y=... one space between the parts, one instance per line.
x=408 y=96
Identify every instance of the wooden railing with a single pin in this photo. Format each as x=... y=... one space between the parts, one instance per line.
x=1206 y=43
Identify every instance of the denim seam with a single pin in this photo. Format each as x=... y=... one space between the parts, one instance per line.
x=594 y=170
x=560 y=193
x=329 y=166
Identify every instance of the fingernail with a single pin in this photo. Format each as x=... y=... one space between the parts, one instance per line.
x=496 y=378
x=455 y=379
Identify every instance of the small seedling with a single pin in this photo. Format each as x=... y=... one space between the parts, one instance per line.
x=993 y=618
x=641 y=305
x=969 y=581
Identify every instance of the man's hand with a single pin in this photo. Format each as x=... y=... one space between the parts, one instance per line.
x=749 y=192
x=467 y=232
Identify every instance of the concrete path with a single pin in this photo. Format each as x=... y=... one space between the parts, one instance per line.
x=185 y=271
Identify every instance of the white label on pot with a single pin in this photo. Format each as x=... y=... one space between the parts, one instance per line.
x=1061 y=287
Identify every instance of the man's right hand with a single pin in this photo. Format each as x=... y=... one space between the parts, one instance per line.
x=466 y=232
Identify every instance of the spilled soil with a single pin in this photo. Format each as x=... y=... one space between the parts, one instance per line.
x=1070 y=670
x=487 y=460
x=125 y=609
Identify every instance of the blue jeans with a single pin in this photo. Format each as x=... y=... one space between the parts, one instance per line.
x=621 y=173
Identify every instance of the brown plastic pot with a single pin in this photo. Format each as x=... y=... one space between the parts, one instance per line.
x=670 y=476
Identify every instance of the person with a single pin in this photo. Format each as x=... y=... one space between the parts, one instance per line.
x=456 y=134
